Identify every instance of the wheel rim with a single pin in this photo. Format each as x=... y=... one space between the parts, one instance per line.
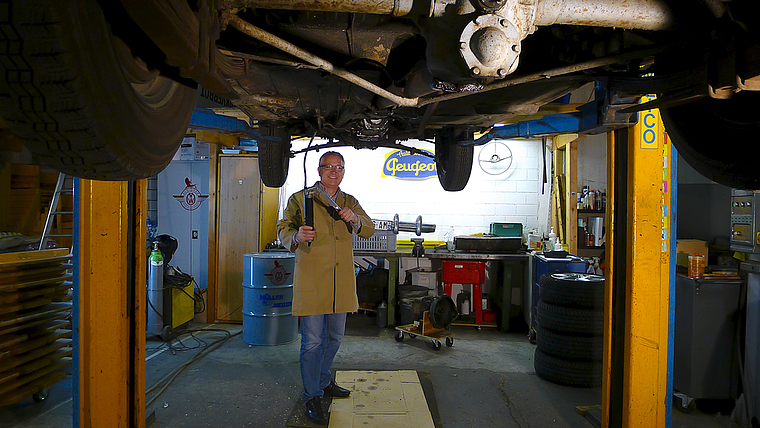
x=149 y=87
x=577 y=277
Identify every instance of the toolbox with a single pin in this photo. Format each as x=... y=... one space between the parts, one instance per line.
x=511 y=230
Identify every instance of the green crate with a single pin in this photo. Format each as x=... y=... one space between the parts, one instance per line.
x=512 y=230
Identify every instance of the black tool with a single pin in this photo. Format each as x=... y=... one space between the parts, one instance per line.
x=309 y=214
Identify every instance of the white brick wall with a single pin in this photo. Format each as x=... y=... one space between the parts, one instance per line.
x=513 y=196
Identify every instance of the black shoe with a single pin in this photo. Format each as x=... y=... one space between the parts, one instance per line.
x=334 y=390
x=315 y=411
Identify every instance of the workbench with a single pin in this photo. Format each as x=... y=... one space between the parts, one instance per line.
x=516 y=267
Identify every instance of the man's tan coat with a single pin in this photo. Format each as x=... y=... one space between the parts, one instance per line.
x=324 y=281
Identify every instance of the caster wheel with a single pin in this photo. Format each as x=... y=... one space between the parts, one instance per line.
x=166 y=333
x=399 y=336
x=436 y=345
x=41 y=396
x=412 y=335
x=449 y=342
x=532 y=336
x=478 y=328
x=684 y=404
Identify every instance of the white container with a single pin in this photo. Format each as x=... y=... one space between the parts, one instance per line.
x=596 y=227
x=534 y=241
x=425 y=277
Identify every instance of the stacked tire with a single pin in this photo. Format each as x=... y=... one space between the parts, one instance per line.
x=570 y=328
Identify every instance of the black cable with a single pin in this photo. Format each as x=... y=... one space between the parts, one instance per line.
x=168 y=379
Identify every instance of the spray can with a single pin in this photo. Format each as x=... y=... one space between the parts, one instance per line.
x=155 y=291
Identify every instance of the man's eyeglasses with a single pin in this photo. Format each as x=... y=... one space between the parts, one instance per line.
x=329 y=167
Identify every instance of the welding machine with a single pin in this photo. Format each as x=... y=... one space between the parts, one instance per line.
x=171 y=301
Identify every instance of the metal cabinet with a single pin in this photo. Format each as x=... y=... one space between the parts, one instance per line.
x=705 y=363
x=183 y=213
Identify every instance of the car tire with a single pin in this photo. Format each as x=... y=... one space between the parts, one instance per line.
x=564 y=319
x=572 y=289
x=82 y=103
x=274 y=152
x=570 y=347
x=453 y=161
x=735 y=120
x=584 y=374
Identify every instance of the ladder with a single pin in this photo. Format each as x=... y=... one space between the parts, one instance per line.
x=64 y=185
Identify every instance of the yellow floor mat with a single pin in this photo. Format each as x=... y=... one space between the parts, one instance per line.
x=383 y=399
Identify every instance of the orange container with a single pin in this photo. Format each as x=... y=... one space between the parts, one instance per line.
x=696 y=265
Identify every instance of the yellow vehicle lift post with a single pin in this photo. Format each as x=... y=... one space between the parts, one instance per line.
x=109 y=308
x=637 y=386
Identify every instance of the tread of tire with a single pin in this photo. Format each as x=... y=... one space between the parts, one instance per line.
x=585 y=374
x=38 y=87
x=563 y=292
x=569 y=347
x=565 y=319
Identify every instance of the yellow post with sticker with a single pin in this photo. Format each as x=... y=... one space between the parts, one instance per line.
x=637 y=395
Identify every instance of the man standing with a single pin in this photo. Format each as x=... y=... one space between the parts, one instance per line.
x=324 y=286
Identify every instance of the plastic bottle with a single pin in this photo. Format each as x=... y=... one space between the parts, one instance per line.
x=449 y=238
x=552 y=238
x=534 y=240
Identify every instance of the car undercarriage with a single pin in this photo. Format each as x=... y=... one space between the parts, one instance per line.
x=373 y=74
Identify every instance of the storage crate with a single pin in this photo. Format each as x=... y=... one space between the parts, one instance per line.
x=382 y=240
x=463 y=272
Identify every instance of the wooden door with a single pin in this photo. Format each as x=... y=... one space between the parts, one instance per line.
x=239 y=185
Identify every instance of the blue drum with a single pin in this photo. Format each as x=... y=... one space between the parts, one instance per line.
x=268 y=299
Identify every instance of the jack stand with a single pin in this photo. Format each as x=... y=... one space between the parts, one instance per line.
x=418 y=250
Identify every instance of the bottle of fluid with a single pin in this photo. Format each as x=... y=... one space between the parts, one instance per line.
x=155 y=291
x=552 y=239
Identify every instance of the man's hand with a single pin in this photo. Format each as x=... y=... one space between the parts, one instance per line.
x=348 y=216
x=305 y=234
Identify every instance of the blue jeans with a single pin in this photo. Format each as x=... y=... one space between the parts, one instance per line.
x=320 y=340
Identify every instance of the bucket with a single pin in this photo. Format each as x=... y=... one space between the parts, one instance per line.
x=268 y=299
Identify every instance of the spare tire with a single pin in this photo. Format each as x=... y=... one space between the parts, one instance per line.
x=572 y=289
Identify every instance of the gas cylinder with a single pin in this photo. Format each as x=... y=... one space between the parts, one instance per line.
x=155 y=293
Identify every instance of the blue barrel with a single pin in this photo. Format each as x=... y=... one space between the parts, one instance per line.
x=268 y=299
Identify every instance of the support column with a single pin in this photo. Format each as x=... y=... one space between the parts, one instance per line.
x=637 y=307
x=109 y=302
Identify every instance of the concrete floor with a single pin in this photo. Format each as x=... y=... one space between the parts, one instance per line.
x=485 y=380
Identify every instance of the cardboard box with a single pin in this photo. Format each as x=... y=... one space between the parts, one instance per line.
x=689 y=247
x=425 y=277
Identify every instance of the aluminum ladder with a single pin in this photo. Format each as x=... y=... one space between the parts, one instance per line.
x=61 y=187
